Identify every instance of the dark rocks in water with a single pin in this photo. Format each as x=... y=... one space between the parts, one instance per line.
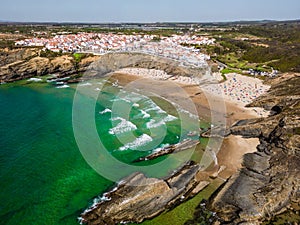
x=182 y=146
x=269 y=182
x=74 y=81
x=138 y=198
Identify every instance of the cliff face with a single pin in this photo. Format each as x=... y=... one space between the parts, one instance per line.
x=269 y=182
x=8 y=56
x=138 y=198
x=26 y=63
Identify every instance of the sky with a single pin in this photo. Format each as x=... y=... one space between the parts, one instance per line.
x=147 y=10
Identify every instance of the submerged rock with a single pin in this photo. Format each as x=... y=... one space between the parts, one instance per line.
x=182 y=146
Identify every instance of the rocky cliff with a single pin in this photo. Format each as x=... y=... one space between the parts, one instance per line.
x=25 y=63
x=137 y=197
x=269 y=182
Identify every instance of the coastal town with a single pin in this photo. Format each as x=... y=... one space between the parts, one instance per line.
x=188 y=49
x=98 y=43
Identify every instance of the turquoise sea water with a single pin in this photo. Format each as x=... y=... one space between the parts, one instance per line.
x=43 y=177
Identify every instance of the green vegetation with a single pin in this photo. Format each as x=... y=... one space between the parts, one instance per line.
x=7 y=43
x=50 y=54
x=78 y=57
x=259 y=47
x=228 y=70
x=288 y=217
x=185 y=211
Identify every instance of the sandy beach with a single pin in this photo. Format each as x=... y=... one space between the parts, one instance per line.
x=235 y=93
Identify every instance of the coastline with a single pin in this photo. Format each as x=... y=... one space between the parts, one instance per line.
x=233 y=149
x=232 y=144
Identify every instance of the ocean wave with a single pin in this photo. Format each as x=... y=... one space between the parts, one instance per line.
x=154 y=123
x=160 y=148
x=133 y=96
x=156 y=109
x=59 y=83
x=122 y=127
x=180 y=109
x=191 y=115
x=35 y=79
x=63 y=86
x=145 y=115
x=170 y=118
x=84 y=84
x=139 y=142
x=105 y=111
x=120 y=99
x=151 y=106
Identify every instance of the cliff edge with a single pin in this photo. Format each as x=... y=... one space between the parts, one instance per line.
x=269 y=182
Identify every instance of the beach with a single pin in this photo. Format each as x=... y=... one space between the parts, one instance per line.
x=234 y=94
x=237 y=91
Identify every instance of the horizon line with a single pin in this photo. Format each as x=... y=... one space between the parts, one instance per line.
x=157 y=22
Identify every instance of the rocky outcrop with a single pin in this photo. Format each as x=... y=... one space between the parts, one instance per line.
x=269 y=182
x=137 y=197
x=8 y=56
x=32 y=65
x=182 y=146
x=37 y=66
x=115 y=61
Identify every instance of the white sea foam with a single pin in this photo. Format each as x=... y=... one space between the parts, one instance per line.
x=170 y=118
x=155 y=108
x=157 y=123
x=120 y=99
x=115 y=84
x=151 y=106
x=133 y=96
x=160 y=148
x=105 y=111
x=60 y=82
x=139 y=142
x=35 y=79
x=84 y=84
x=153 y=123
x=63 y=86
x=191 y=115
x=122 y=127
x=96 y=201
x=145 y=115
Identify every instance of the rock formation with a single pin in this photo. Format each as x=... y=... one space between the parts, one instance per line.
x=137 y=197
x=182 y=146
x=269 y=182
x=23 y=64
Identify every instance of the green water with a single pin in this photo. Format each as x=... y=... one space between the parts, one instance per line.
x=43 y=177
